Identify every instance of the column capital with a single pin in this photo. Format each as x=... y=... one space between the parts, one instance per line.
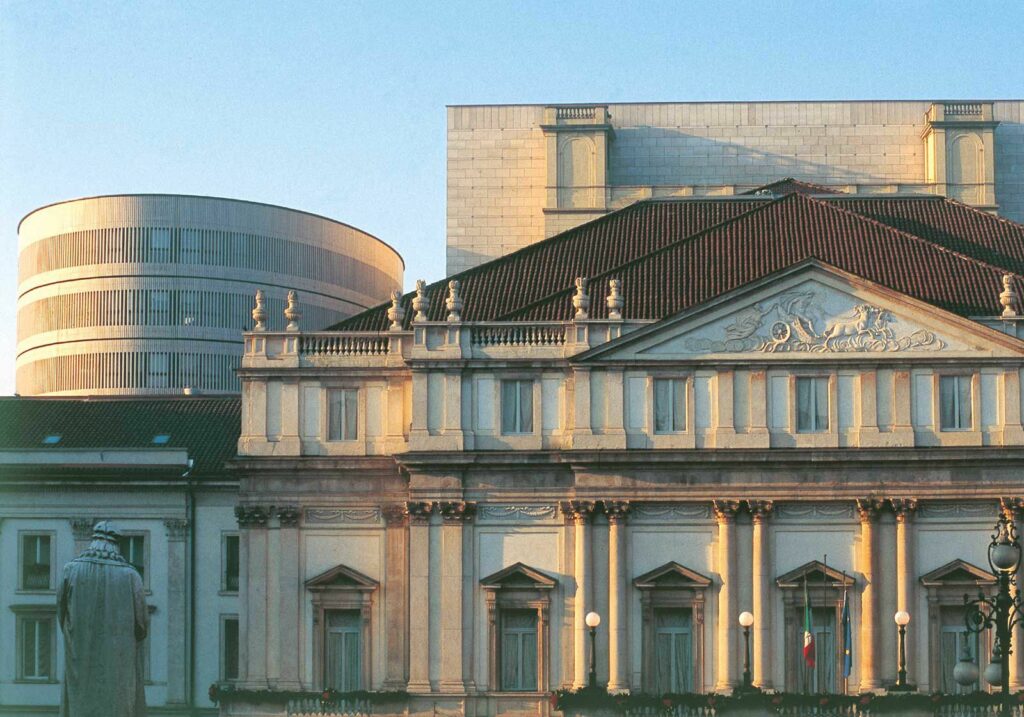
x=868 y=508
x=903 y=508
x=288 y=515
x=616 y=510
x=251 y=516
x=177 y=528
x=577 y=511
x=396 y=515
x=725 y=510
x=81 y=528
x=456 y=511
x=419 y=510
x=1012 y=508
x=760 y=509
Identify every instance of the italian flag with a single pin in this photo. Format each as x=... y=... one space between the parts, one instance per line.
x=808 y=631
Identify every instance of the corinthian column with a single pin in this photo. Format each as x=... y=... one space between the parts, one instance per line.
x=396 y=559
x=725 y=514
x=419 y=595
x=454 y=514
x=904 y=509
x=761 y=603
x=868 y=509
x=1013 y=508
x=577 y=513
x=618 y=679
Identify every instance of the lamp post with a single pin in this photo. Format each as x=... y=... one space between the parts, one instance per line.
x=593 y=620
x=902 y=619
x=746 y=620
x=1002 y=611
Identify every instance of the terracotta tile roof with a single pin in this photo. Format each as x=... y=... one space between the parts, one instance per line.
x=788 y=185
x=949 y=223
x=207 y=426
x=870 y=235
x=516 y=279
x=781 y=234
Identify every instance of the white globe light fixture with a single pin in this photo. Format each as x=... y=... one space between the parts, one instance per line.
x=746 y=619
x=902 y=618
x=592 y=619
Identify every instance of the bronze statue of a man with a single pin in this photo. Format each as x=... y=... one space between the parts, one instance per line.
x=101 y=606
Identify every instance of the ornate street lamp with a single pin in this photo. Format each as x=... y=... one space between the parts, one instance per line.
x=902 y=619
x=1002 y=611
x=746 y=620
x=593 y=620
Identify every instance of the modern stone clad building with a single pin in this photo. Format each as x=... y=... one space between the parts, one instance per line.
x=683 y=409
x=147 y=294
x=519 y=173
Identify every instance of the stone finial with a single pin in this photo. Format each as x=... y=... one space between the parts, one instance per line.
x=581 y=300
x=421 y=302
x=259 y=313
x=1009 y=298
x=396 y=314
x=615 y=301
x=292 y=312
x=454 y=302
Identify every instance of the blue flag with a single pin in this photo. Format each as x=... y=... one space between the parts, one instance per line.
x=847 y=637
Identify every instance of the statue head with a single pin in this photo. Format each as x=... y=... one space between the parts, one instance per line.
x=106 y=530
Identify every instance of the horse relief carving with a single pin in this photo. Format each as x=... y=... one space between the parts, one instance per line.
x=789 y=323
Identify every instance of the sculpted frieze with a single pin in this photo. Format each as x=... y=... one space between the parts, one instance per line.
x=815 y=510
x=518 y=512
x=801 y=322
x=343 y=515
x=657 y=512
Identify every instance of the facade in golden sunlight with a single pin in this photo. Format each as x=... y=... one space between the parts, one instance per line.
x=680 y=411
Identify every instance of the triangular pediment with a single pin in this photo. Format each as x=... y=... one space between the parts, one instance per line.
x=671 y=575
x=808 y=312
x=518 y=576
x=341 y=577
x=814 y=574
x=958 y=573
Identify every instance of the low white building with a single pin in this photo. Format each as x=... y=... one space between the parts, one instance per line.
x=748 y=395
x=155 y=466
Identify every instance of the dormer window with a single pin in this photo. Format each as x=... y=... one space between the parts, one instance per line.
x=161 y=439
x=52 y=439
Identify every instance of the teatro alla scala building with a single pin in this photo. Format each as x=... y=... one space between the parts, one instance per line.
x=679 y=411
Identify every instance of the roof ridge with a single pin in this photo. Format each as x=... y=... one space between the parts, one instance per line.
x=980 y=212
x=634 y=260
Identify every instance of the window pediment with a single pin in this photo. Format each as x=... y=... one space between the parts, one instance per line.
x=816 y=574
x=342 y=577
x=672 y=575
x=960 y=574
x=518 y=577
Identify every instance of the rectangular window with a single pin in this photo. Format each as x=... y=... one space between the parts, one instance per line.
x=133 y=549
x=229 y=647
x=342 y=420
x=812 y=404
x=518 y=650
x=669 y=405
x=673 y=650
x=955 y=641
x=822 y=677
x=517 y=406
x=955 y=403
x=343 y=651
x=35 y=638
x=157 y=367
x=160 y=243
x=191 y=246
x=230 y=563
x=159 y=307
x=36 y=561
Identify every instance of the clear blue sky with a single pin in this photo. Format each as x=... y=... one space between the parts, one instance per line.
x=338 y=108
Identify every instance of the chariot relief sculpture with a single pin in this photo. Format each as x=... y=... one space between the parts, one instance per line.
x=790 y=323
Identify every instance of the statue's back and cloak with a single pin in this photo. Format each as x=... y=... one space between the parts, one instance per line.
x=101 y=606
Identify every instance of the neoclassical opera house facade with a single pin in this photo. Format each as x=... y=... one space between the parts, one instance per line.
x=677 y=412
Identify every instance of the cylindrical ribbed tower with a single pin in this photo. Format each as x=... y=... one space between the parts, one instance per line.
x=149 y=294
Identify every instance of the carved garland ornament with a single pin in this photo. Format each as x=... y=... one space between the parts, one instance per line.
x=788 y=324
